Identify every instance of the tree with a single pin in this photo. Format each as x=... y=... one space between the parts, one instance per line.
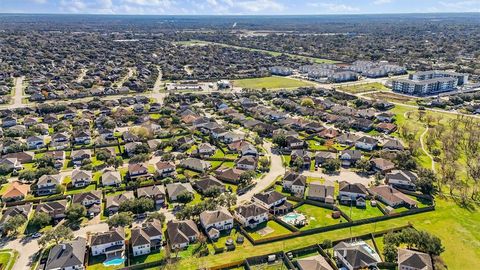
x=390 y=253
x=213 y=191
x=41 y=220
x=307 y=102
x=363 y=165
x=14 y=223
x=75 y=213
x=264 y=162
x=425 y=181
x=56 y=235
x=185 y=197
x=331 y=166
x=246 y=177
x=158 y=216
x=280 y=140
x=121 y=219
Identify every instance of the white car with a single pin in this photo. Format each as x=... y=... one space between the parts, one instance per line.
x=36 y=235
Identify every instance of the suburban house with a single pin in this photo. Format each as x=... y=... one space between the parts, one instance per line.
x=294 y=183
x=366 y=143
x=81 y=178
x=392 y=197
x=252 y=214
x=322 y=157
x=78 y=156
x=229 y=175
x=321 y=192
x=355 y=255
x=91 y=200
x=205 y=184
x=304 y=155
x=11 y=164
x=181 y=233
x=244 y=148
x=350 y=157
x=136 y=170
x=205 y=149
x=47 y=184
x=216 y=221
x=35 y=142
x=349 y=193
x=195 y=164
x=24 y=210
x=67 y=256
x=294 y=142
x=246 y=163
x=316 y=262
x=155 y=192
x=146 y=238
x=16 y=191
x=382 y=165
x=55 y=209
x=58 y=157
x=111 y=243
x=113 y=202
x=394 y=145
x=347 y=138
x=413 y=260
x=401 y=179
x=175 y=189
x=274 y=201
x=165 y=169
x=111 y=178
x=82 y=137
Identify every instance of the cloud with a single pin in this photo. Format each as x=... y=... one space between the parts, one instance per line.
x=333 y=8
x=39 y=1
x=381 y=2
x=469 y=5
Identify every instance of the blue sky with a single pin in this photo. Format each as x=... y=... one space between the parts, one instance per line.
x=234 y=7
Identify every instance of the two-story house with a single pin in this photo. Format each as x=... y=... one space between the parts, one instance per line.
x=146 y=238
x=213 y=222
x=252 y=214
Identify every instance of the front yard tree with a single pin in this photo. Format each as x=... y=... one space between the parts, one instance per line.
x=75 y=212
x=121 y=219
x=246 y=177
x=158 y=216
x=331 y=166
x=14 y=223
x=185 y=197
x=280 y=140
x=56 y=235
x=41 y=220
x=363 y=165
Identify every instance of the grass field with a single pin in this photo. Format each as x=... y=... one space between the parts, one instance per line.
x=318 y=216
x=277 y=230
x=360 y=213
x=393 y=97
x=362 y=88
x=270 y=83
x=457 y=227
x=7 y=258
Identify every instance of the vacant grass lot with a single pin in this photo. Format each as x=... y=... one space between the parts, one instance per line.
x=363 y=87
x=277 y=230
x=361 y=213
x=7 y=258
x=270 y=83
x=317 y=216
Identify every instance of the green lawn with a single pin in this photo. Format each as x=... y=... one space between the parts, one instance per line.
x=71 y=191
x=457 y=227
x=154 y=256
x=276 y=227
x=4 y=188
x=270 y=83
x=7 y=259
x=363 y=87
x=361 y=213
x=318 y=216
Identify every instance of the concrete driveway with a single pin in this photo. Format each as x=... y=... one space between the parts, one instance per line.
x=343 y=175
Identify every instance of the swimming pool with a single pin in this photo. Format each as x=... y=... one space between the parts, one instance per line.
x=114 y=262
x=294 y=218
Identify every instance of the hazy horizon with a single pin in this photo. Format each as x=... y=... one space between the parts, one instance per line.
x=237 y=7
